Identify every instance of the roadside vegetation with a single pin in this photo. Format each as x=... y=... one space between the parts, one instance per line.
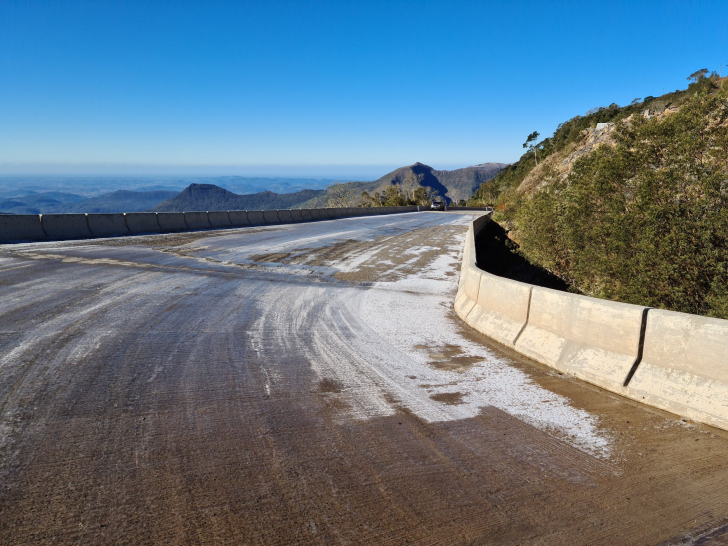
x=394 y=195
x=642 y=219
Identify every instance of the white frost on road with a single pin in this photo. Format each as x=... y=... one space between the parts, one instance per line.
x=376 y=346
x=414 y=315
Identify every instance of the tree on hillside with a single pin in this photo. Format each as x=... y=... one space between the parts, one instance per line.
x=531 y=144
x=409 y=185
x=341 y=196
x=697 y=75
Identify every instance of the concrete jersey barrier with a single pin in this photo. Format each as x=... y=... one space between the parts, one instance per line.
x=31 y=227
x=669 y=360
x=219 y=218
x=256 y=218
x=172 y=221
x=107 y=225
x=592 y=339
x=502 y=308
x=21 y=227
x=239 y=218
x=271 y=217
x=142 y=222
x=197 y=220
x=65 y=226
x=684 y=366
x=285 y=216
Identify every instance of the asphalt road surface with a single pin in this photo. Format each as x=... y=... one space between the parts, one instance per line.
x=310 y=383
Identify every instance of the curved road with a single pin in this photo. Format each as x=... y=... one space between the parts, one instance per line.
x=310 y=383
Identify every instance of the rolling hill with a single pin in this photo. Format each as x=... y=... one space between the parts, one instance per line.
x=211 y=197
x=57 y=203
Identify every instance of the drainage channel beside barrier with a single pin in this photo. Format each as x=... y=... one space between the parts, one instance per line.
x=672 y=361
x=21 y=228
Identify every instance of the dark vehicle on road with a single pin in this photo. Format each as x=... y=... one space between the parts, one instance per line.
x=437 y=204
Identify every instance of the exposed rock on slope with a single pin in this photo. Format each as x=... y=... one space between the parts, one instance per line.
x=560 y=163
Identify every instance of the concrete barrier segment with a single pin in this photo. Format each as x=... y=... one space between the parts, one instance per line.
x=107 y=225
x=172 y=221
x=683 y=368
x=65 y=226
x=592 y=339
x=285 y=216
x=21 y=227
x=219 y=218
x=479 y=223
x=315 y=214
x=271 y=217
x=197 y=220
x=238 y=218
x=502 y=308
x=297 y=215
x=142 y=222
x=467 y=297
x=306 y=214
x=669 y=360
x=256 y=217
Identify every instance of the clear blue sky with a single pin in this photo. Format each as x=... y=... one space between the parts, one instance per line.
x=325 y=87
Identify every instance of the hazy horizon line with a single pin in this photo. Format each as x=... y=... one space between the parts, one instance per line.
x=319 y=171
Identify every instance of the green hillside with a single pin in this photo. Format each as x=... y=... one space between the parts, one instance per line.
x=635 y=212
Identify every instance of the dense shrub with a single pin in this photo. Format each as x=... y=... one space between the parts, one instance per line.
x=644 y=221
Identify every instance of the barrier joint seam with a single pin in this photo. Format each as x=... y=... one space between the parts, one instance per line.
x=42 y=227
x=528 y=315
x=640 y=348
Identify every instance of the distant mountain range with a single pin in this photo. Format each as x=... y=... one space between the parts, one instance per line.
x=93 y=186
x=211 y=197
x=59 y=202
x=453 y=185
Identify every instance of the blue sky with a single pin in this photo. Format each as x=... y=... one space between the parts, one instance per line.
x=324 y=88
